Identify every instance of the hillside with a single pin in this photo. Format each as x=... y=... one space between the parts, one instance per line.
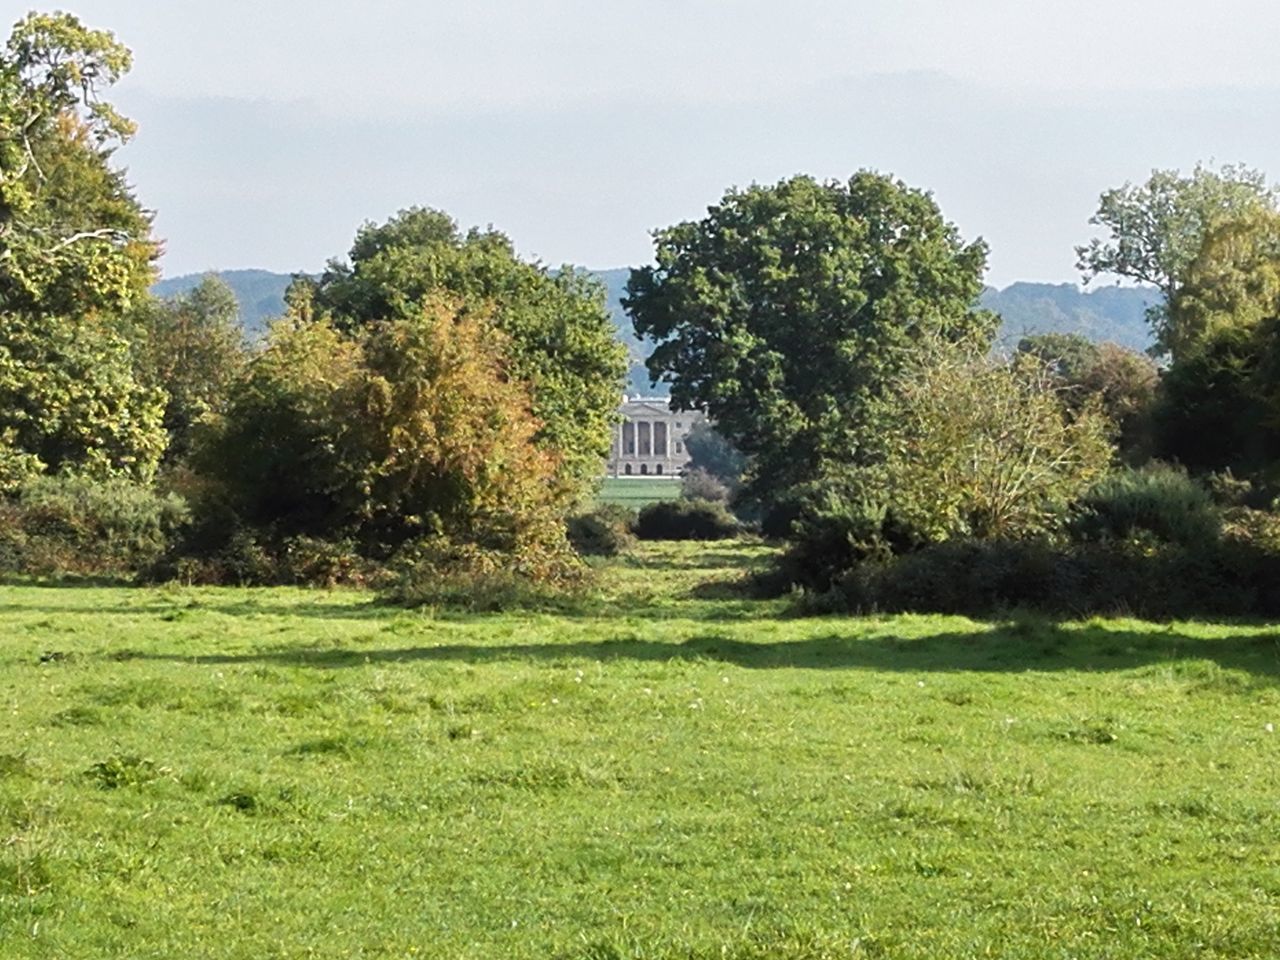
x=1104 y=313
x=1117 y=314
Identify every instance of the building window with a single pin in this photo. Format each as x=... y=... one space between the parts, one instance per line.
x=679 y=447
x=658 y=469
x=644 y=469
x=627 y=468
x=679 y=424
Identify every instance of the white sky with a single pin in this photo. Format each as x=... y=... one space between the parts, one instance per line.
x=269 y=130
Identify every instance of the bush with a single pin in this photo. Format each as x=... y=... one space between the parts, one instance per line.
x=603 y=532
x=686 y=520
x=984 y=579
x=438 y=573
x=74 y=526
x=700 y=484
x=1158 y=504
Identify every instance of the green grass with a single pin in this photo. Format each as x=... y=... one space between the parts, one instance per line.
x=637 y=492
x=674 y=771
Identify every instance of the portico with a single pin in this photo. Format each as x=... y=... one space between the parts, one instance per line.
x=650 y=439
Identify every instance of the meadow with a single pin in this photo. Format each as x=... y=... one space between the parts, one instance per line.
x=637 y=492
x=663 y=769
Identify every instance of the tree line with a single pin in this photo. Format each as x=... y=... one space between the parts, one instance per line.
x=432 y=403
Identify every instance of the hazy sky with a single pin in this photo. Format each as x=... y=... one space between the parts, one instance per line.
x=270 y=130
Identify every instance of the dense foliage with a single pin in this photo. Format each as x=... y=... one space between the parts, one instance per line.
x=73 y=526
x=786 y=311
x=1121 y=385
x=559 y=338
x=686 y=520
x=404 y=431
x=973 y=448
x=191 y=347
x=75 y=253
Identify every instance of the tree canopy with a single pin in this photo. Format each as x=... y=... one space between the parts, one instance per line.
x=75 y=252
x=1156 y=231
x=560 y=338
x=787 y=310
x=192 y=348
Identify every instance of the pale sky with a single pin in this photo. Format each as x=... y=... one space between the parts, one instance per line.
x=270 y=130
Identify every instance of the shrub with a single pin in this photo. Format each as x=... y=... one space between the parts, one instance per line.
x=438 y=573
x=686 y=520
x=602 y=532
x=397 y=431
x=1158 y=503
x=984 y=579
x=69 y=525
x=700 y=484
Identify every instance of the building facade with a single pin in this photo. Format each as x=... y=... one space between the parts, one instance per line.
x=649 y=440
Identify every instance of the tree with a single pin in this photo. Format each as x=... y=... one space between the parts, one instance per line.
x=788 y=309
x=1158 y=229
x=712 y=453
x=559 y=337
x=1119 y=382
x=972 y=447
x=72 y=236
x=988 y=449
x=1068 y=355
x=75 y=253
x=191 y=347
x=1231 y=282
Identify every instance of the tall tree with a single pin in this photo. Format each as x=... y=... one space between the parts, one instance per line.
x=560 y=339
x=1220 y=398
x=788 y=309
x=1157 y=230
x=75 y=252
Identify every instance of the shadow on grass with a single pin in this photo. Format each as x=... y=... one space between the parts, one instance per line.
x=709 y=602
x=1009 y=647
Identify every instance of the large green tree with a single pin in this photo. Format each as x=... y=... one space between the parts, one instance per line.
x=560 y=339
x=75 y=253
x=787 y=310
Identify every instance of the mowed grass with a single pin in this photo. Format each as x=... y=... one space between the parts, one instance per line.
x=637 y=492
x=673 y=771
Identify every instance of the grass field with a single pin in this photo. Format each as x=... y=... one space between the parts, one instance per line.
x=672 y=772
x=638 y=492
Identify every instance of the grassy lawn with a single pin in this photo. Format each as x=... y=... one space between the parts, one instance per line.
x=672 y=772
x=637 y=492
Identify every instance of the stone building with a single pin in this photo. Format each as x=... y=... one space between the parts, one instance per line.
x=649 y=441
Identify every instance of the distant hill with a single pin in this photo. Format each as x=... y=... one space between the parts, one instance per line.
x=1105 y=313
x=1117 y=314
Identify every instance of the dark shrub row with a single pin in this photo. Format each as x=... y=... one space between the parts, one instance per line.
x=981 y=579
x=686 y=520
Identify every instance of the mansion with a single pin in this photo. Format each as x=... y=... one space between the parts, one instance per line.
x=649 y=439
